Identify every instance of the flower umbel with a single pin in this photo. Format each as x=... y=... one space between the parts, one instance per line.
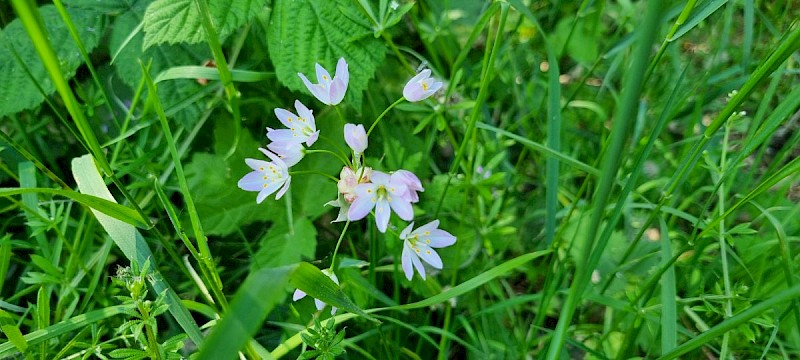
x=421 y=87
x=329 y=90
x=266 y=177
x=419 y=244
x=299 y=294
x=385 y=193
x=300 y=127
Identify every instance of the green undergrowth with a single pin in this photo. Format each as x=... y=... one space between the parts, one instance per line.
x=622 y=178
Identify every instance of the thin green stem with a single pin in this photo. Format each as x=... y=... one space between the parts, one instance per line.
x=723 y=244
x=384 y=114
x=397 y=53
x=205 y=260
x=338 y=243
x=338 y=156
x=224 y=72
x=314 y=172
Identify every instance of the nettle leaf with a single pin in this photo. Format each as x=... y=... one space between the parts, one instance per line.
x=173 y=93
x=280 y=246
x=19 y=91
x=179 y=21
x=305 y=32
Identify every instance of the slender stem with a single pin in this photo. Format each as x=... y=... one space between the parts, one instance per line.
x=341 y=115
x=205 y=260
x=338 y=156
x=723 y=245
x=224 y=72
x=397 y=52
x=336 y=249
x=384 y=114
x=315 y=172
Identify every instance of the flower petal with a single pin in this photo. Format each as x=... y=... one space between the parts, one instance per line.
x=319 y=304
x=298 y=294
x=312 y=138
x=404 y=234
x=267 y=191
x=286 y=117
x=380 y=178
x=439 y=239
x=337 y=91
x=427 y=227
x=284 y=135
x=402 y=208
x=253 y=181
x=360 y=208
x=284 y=188
x=429 y=255
x=342 y=72
x=323 y=78
x=258 y=165
x=382 y=213
x=418 y=264
x=405 y=261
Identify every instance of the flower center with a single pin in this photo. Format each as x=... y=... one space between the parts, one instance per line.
x=424 y=85
x=381 y=192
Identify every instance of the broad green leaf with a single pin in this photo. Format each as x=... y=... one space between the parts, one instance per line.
x=313 y=282
x=19 y=58
x=282 y=247
x=259 y=293
x=305 y=32
x=126 y=64
x=131 y=242
x=179 y=21
x=109 y=208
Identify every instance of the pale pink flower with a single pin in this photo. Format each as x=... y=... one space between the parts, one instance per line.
x=355 y=137
x=421 y=87
x=290 y=152
x=266 y=177
x=384 y=194
x=412 y=183
x=419 y=244
x=329 y=90
x=300 y=127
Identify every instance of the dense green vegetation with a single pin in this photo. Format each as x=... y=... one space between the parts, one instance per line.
x=510 y=179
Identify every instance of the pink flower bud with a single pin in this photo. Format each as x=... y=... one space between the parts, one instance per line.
x=356 y=137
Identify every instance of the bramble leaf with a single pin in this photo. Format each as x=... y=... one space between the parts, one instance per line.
x=19 y=91
x=304 y=32
x=179 y=21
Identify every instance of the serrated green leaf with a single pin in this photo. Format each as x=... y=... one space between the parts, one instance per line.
x=305 y=32
x=172 y=93
x=19 y=91
x=179 y=21
x=281 y=246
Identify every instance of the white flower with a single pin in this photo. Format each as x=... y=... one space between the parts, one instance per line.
x=299 y=294
x=419 y=244
x=384 y=193
x=266 y=177
x=421 y=87
x=290 y=152
x=329 y=90
x=300 y=127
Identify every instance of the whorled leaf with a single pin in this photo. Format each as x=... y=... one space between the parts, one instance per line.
x=19 y=90
x=179 y=21
x=305 y=32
